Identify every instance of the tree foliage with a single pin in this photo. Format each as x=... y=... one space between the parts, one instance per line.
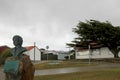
x=96 y=31
x=4 y=55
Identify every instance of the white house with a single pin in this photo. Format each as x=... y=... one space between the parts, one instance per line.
x=34 y=53
x=102 y=52
x=62 y=55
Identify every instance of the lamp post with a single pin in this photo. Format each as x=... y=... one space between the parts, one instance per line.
x=47 y=47
x=89 y=53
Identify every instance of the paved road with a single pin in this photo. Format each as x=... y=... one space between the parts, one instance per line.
x=69 y=70
x=76 y=69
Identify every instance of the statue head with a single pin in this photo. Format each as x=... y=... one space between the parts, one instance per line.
x=17 y=40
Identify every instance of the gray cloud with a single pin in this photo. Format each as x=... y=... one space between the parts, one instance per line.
x=50 y=22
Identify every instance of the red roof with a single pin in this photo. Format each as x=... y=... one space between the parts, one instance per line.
x=29 y=48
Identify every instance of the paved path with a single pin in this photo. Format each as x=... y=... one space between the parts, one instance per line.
x=76 y=69
x=69 y=70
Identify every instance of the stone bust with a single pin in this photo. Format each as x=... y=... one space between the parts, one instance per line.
x=18 y=49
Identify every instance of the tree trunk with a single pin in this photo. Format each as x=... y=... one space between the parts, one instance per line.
x=115 y=52
x=116 y=55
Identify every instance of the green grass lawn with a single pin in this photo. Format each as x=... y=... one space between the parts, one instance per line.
x=62 y=64
x=110 y=74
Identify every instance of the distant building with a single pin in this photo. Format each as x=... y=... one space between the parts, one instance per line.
x=34 y=53
x=63 y=54
x=102 y=52
x=42 y=50
x=51 y=52
x=48 y=54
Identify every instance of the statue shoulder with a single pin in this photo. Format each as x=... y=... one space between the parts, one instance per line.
x=12 y=49
x=23 y=49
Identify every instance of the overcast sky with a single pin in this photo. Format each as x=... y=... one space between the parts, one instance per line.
x=50 y=22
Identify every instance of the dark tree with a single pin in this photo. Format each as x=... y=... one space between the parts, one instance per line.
x=104 y=33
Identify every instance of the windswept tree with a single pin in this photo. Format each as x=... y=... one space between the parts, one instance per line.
x=95 y=31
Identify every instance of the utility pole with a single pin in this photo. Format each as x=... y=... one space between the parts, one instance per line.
x=69 y=53
x=34 y=51
x=89 y=53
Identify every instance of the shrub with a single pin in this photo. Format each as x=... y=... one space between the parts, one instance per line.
x=4 y=55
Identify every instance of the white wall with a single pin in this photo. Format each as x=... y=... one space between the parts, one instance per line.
x=37 y=54
x=119 y=54
x=82 y=55
x=97 y=53
x=103 y=53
